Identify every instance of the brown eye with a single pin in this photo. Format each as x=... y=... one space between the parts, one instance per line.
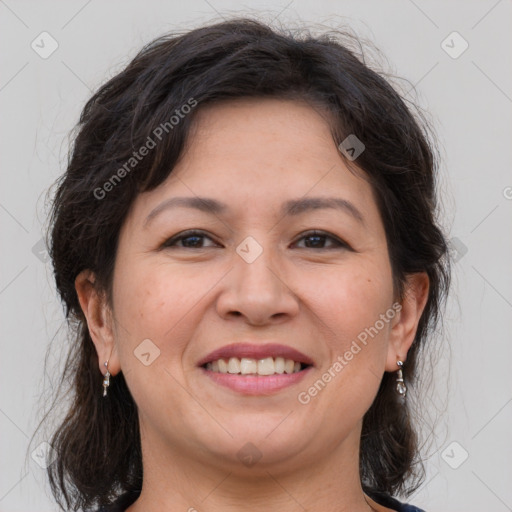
x=189 y=240
x=318 y=239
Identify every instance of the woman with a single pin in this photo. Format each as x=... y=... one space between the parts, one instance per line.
x=245 y=241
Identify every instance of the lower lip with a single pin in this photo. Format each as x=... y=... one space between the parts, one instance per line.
x=256 y=384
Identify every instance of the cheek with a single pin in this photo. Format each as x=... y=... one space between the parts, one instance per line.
x=151 y=303
x=159 y=301
x=356 y=345
x=138 y=301
x=147 y=306
x=351 y=305
x=360 y=347
x=351 y=299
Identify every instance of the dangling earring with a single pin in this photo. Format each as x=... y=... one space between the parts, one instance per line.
x=400 y=385
x=106 y=380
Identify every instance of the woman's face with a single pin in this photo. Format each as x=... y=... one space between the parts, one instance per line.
x=255 y=275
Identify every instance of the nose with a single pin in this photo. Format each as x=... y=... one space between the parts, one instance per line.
x=257 y=291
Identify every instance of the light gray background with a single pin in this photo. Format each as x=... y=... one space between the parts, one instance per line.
x=470 y=101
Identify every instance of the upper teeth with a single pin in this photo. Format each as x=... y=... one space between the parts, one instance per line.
x=246 y=365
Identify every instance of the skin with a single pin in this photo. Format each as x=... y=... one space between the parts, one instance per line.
x=252 y=155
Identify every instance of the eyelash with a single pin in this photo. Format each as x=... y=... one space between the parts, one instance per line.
x=312 y=233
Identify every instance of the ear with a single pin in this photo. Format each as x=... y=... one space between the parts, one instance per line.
x=405 y=323
x=99 y=321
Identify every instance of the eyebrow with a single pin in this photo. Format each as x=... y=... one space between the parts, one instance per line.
x=289 y=208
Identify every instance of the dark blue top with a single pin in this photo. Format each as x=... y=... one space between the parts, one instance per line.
x=392 y=503
x=125 y=500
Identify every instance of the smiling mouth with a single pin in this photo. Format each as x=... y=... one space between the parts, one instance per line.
x=249 y=366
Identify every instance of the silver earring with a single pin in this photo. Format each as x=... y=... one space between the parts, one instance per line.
x=106 y=380
x=400 y=385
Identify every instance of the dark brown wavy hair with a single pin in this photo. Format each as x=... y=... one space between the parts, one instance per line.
x=98 y=440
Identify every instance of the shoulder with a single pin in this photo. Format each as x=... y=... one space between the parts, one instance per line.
x=390 y=502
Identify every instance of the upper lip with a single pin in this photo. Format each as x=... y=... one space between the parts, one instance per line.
x=254 y=351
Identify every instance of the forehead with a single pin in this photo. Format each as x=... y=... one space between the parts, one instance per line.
x=255 y=154
x=261 y=134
